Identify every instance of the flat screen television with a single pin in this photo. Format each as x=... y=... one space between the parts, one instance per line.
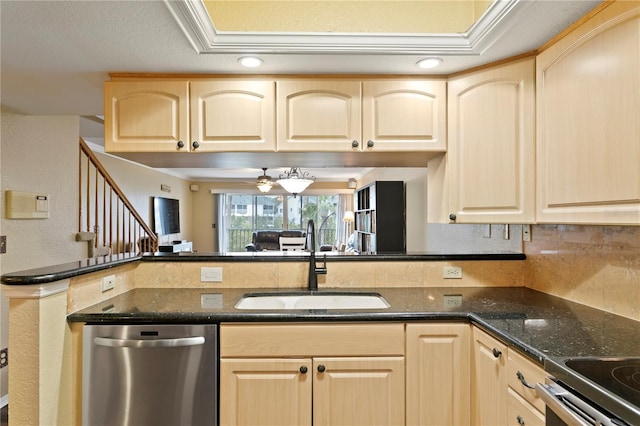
x=166 y=216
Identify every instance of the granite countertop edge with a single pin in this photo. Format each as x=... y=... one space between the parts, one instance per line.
x=49 y=274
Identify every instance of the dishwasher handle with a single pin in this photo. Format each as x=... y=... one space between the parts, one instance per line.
x=149 y=343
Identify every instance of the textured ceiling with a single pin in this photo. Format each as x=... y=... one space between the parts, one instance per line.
x=423 y=16
x=57 y=54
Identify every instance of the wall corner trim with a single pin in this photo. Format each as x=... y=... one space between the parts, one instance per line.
x=35 y=291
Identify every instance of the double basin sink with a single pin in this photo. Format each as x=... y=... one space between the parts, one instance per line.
x=311 y=300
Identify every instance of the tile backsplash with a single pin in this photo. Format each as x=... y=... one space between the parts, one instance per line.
x=597 y=266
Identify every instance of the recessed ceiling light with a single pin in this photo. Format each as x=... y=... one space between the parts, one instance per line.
x=427 y=63
x=250 y=61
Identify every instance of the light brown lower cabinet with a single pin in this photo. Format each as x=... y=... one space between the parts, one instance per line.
x=363 y=374
x=270 y=375
x=501 y=386
x=521 y=413
x=342 y=391
x=438 y=374
x=265 y=392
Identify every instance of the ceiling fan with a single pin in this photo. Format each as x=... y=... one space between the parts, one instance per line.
x=264 y=182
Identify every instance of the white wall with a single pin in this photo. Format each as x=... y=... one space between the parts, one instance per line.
x=38 y=154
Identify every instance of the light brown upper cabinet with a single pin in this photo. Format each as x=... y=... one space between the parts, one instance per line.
x=146 y=116
x=490 y=165
x=182 y=116
x=404 y=115
x=354 y=116
x=318 y=115
x=588 y=128
x=233 y=115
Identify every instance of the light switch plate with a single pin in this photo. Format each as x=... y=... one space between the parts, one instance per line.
x=108 y=282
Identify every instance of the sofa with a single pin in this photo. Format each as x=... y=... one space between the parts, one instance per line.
x=269 y=240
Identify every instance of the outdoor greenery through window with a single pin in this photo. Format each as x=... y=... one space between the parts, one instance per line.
x=244 y=214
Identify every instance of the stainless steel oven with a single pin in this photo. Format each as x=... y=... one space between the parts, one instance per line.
x=592 y=391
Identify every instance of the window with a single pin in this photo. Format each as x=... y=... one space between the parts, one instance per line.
x=240 y=209
x=244 y=214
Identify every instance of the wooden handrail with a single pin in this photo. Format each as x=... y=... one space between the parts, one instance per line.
x=129 y=225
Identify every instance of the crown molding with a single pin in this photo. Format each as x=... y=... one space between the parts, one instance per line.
x=194 y=20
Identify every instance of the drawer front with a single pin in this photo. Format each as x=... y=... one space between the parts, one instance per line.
x=247 y=340
x=530 y=373
x=521 y=413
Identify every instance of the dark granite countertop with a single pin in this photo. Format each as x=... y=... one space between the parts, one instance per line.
x=53 y=273
x=537 y=324
x=49 y=274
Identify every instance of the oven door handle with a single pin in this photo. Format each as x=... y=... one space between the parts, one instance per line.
x=565 y=413
x=552 y=394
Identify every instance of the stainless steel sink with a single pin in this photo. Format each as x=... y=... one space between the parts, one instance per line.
x=307 y=300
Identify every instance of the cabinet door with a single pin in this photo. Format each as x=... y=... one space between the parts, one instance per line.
x=522 y=374
x=358 y=391
x=318 y=115
x=438 y=374
x=520 y=412
x=491 y=151
x=146 y=116
x=265 y=392
x=588 y=136
x=233 y=115
x=408 y=115
x=488 y=380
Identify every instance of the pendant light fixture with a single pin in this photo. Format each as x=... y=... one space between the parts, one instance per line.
x=295 y=180
x=264 y=182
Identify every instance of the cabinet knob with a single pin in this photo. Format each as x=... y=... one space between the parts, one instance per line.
x=452 y=216
x=520 y=420
x=354 y=144
x=303 y=369
x=195 y=144
x=497 y=352
x=370 y=144
x=180 y=144
x=321 y=368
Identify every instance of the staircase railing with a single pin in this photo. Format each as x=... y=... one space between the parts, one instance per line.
x=107 y=220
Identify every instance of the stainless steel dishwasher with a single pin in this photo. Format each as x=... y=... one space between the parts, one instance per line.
x=150 y=375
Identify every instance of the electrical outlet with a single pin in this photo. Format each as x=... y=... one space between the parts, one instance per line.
x=3 y=244
x=452 y=300
x=4 y=357
x=526 y=233
x=452 y=272
x=211 y=275
x=108 y=282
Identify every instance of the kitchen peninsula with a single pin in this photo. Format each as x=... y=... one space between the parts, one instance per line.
x=50 y=305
